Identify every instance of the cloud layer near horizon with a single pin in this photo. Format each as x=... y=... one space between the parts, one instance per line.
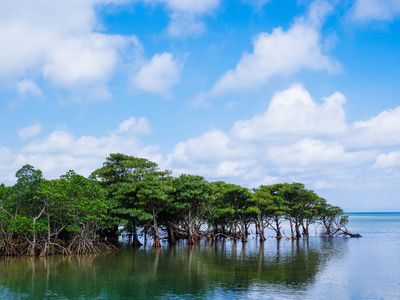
x=151 y=58
x=319 y=146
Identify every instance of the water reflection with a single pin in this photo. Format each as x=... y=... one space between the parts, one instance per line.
x=219 y=270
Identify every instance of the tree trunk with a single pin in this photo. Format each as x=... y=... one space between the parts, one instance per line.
x=278 y=228
x=262 y=237
x=246 y=230
x=190 y=239
x=135 y=242
x=112 y=236
x=260 y=229
x=297 y=225
x=257 y=225
x=243 y=232
x=346 y=232
x=291 y=227
x=328 y=225
x=156 y=243
x=305 y=229
x=171 y=235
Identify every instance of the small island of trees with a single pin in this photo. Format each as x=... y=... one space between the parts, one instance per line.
x=78 y=215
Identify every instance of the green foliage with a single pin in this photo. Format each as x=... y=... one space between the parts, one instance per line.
x=121 y=176
x=26 y=226
x=234 y=198
x=123 y=168
x=132 y=192
x=191 y=195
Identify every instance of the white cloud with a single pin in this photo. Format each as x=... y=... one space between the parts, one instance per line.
x=215 y=144
x=192 y=6
x=367 y=10
x=9 y=164
x=159 y=75
x=78 y=61
x=293 y=111
x=182 y=25
x=186 y=15
x=56 y=142
x=257 y=175
x=279 y=53
x=309 y=152
x=61 y=151
x=212 y=154
x=295 y=135
x=298 y=139
x=322 y=185
x=139 y=126
x=321 y=161
x=382 y=130
x=31 y=131
x=257 y=4
x=390 y=160
x=60 y=42
x=317 y=12
x=26 y=86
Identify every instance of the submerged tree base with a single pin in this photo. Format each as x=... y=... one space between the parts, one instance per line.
x=78 y=245
x=157 y=243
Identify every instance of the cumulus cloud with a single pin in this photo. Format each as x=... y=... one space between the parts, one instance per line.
x=323 y=161
x=26 y=86
x=59 y=41
x=279 y=53
x=368 y=10
x=213 y=154
x=78 y=61
x=30 y=131
x=139 y=126
x=186 y=16
x=184 y=25
x=188 y=6
x=213 y=143
x=159 y=75
x=61 y=151
x=262 y=145
x=309 y=152
x=295 y=139
x=382 y=130
x=293 y=111
x=313 y=142
x=10 y=162
x=389 y=160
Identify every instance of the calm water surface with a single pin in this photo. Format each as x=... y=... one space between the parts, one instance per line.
x=320 y=268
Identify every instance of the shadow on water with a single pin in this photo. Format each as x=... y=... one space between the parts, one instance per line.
x=223 y=270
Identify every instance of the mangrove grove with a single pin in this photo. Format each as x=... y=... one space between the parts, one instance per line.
x=131 y=196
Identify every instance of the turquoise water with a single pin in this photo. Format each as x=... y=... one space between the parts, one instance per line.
x=320 y=268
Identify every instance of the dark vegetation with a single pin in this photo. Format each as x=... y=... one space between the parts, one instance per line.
x=78 y=215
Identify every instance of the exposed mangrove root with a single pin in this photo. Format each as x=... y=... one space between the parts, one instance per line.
x=157 y=243
x=83 y=244
x=79 y=244
x=190 y=240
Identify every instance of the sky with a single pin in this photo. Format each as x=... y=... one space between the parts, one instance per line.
x=252 y=92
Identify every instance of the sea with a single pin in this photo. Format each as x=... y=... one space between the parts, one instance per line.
x=313 y=268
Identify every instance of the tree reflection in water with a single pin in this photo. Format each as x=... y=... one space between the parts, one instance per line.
x=203 y=270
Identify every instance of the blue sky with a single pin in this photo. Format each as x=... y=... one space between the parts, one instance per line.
x=250 y=92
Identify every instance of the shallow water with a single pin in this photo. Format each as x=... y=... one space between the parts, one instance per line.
x=320 y=268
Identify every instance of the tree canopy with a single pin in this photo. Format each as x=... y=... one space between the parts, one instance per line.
x=75 y=214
